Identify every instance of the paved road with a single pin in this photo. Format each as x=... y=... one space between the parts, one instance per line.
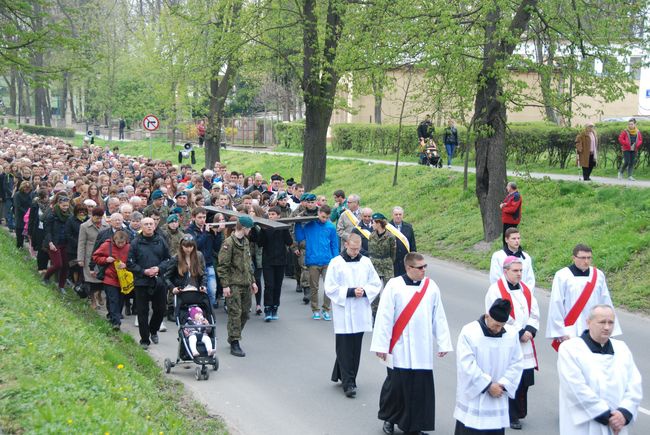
x=565 y=177
x=282 y=386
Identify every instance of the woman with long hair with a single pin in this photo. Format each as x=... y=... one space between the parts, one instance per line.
x=93 y=193
x=185 y=269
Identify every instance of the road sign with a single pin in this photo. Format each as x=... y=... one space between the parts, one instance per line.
x=150 y=123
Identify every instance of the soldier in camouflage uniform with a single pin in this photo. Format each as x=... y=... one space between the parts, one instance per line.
x=183 y=210
x=307 y=207
x=381 y=248
x=235 y=270
x=158 y=204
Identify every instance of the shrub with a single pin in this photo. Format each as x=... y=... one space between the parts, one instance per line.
x=290 y=134
x=47 y=131
x=374 y=138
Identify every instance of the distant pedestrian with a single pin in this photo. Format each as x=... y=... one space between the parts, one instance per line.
x=510 y=209
x=450 y=138
x=351 y=283
x=200 y=130
x=587 y=150
x=631 y=141
x=122 y=126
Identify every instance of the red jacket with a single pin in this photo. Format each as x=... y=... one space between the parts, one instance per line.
x=624 y=140
x=511 y=210
x=101 y=254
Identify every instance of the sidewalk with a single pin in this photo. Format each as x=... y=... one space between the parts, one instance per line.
x=538 y=175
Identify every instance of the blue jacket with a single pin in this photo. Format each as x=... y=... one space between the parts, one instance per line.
x=322 y=243
x=207 y=242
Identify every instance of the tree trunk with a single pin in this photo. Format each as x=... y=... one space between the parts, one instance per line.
x=490 y=114
x=314 y=157
x=545 y=79
x=377 y=92
x=12 y=92
x=218 y=94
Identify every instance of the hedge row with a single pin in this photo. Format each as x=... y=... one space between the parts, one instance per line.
x=525 y=142
x=47 y=131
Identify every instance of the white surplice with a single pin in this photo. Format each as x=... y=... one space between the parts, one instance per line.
x=351 y=315
x=527 y=272
x=566 y=290
x=481 y=360
x=592 y=383
x=522 y=317
x=415 y=348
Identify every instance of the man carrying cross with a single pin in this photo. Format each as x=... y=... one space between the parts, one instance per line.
x=524 y=317
x=409 y=320
x=576 y=290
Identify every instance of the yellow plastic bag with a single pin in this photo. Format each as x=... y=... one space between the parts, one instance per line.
x=126 y=279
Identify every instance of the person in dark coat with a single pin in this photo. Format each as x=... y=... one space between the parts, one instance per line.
x=274 y=245
x=79 y=216
x=56 y=242
x=22 y=202
x=36 y=228
x=148 y=255
x=407 y=230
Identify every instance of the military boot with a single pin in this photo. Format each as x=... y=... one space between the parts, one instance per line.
x=235 y=350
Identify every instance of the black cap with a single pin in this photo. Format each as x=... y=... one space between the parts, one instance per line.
x=500 y=310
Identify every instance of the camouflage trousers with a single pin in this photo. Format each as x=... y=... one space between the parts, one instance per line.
x=239 y=304
x=300 y=270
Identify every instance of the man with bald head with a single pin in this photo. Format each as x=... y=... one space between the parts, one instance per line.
x=600 y=385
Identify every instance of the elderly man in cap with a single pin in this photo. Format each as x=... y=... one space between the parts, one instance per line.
x=489 y=364
x=158 y=204
x=524 y=318
x=237 y=279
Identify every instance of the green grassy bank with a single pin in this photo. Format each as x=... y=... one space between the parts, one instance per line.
x=63 y=370
x=556 y=215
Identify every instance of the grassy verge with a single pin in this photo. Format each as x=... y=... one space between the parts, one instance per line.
x=614 y=220
x=62 y=370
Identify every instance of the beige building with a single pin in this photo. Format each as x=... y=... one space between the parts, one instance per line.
x=363 y=108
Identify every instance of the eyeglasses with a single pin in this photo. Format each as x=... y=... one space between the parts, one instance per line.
x=424 y=266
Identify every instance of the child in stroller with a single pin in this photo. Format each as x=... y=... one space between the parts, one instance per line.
x=193 y=334
x=429 y=154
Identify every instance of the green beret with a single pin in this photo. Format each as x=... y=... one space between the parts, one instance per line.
x=308 y=197
x=282 y=195
x=246 y=221
x=172 y=218
x=377 y=216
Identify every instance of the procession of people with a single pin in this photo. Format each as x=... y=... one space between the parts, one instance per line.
x=88 y=214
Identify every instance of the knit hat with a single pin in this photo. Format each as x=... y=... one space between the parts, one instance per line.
x=172 y=218
x=500 y=310
x=194 y=311
x=246 y=221
x=156 y=194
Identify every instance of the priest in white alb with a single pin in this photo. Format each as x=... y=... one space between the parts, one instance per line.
x=524 y=318
x=600 y=386
x=489 y=363
x=410 y=322
x=512 y=248
x=351 y=283
x=576 y=289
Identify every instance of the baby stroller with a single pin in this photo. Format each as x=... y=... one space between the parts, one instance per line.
x=182 y=304
x=430 y=156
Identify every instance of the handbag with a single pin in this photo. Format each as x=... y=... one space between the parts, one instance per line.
x=101 y=269
x=125 y=277
x=81 y=289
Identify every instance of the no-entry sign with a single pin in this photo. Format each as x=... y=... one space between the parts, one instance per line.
x=150 y=123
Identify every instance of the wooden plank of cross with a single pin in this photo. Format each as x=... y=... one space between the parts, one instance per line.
x=283 y=223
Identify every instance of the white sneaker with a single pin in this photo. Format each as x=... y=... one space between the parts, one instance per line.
x=631 y=178
x=162 y=328
x=136 y=324
x=620 y=175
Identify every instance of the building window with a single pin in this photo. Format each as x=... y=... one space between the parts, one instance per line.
x=635 y=67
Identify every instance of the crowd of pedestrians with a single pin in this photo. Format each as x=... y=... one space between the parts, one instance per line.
x=87 y=214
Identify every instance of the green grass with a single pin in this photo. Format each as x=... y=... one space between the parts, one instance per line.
x=63 y=370
x=614 y=220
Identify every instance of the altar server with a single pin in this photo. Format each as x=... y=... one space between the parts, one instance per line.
x=489 y=363
x=576 y=289
x=513 y=248
x=524 y=318
x=351 y=283
x=600 y=386
x=410 y=318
